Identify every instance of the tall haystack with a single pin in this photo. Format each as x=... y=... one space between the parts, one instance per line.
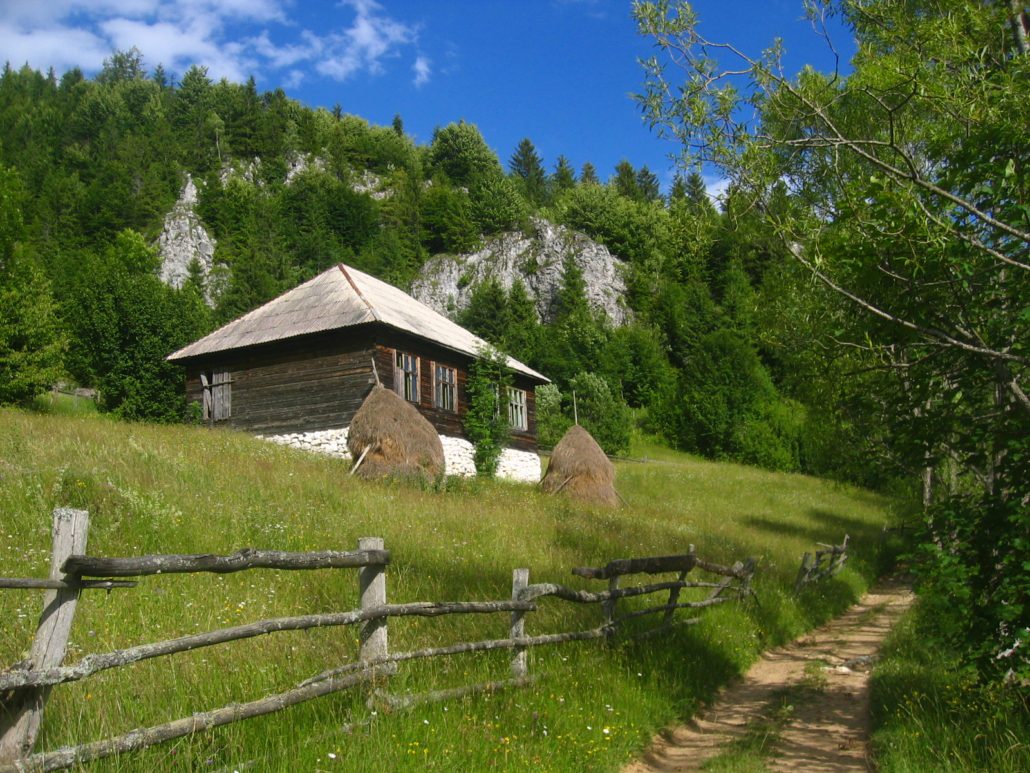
x=393 y=440
x=579 y=469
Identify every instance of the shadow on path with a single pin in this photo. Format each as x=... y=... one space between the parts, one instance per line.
x=828 y=725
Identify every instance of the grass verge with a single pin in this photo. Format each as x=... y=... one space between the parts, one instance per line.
x=930 y=713
x=153 y=489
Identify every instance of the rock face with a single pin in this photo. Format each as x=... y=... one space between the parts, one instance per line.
x=183 y=240
x=447 y=281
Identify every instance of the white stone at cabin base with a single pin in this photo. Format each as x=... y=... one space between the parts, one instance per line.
x=514 y=465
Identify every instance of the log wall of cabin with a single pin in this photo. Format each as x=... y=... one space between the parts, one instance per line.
x=313 y=383
x=318 y=382
x=447 y=422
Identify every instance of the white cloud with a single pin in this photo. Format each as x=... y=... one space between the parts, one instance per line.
x=422 y=70
x=181 y=33
x=716 y=187
x=55 y=47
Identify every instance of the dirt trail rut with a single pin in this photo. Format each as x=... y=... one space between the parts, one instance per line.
x=826 y=676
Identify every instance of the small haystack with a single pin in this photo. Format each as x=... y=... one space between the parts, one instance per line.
x=580 y=470
x=391 y=439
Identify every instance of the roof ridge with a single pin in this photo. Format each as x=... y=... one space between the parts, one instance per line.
x=354 y=287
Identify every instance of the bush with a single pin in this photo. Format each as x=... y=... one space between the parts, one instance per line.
x=486 y=425
x=551 y=423
x=602 y=413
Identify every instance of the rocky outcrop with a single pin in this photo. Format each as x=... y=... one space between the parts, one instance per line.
x=184 y=240
x=447 y=281
x=299 y=163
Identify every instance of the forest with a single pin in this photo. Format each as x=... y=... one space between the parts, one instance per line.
x=91 y=167
x=855 y=307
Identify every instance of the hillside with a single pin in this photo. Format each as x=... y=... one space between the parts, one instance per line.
x=181 y=489
x=139 y=214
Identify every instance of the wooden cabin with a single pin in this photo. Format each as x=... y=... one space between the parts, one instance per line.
x=305 y=361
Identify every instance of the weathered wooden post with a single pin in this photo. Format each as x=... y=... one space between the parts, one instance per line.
x=674 y=593
x=20 y=721
x=609 y=608
x=519 y=661
x=806 y=567
x=372 y=586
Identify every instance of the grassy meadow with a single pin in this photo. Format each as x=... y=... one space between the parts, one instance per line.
x=174 y=489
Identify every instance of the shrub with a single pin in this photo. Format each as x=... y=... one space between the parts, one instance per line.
x=551 y=423
x=486 y=425
x=602 y=413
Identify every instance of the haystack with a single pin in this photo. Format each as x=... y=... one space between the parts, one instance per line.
x=579 y=469
x=395 y=440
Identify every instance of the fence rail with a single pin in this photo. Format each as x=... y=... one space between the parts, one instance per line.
x=826 y=563
x=25 y=686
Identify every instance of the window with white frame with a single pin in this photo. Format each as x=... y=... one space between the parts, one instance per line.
x=517 y=408
x=405 y=376
x=445 y=389
x=217 y=387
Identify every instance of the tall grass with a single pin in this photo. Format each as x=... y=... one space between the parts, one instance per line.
x=156 y=489
x=931 y=714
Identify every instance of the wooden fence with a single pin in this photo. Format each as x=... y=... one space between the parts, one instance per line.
x=25 y=686
x=826 y=563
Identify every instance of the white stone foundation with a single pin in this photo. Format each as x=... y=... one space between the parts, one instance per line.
x=458 y=453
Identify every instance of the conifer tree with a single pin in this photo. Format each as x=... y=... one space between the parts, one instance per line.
x=588 y=174
x=528 y=170
x=648 y=185
x=564 y=176
x=625 y=181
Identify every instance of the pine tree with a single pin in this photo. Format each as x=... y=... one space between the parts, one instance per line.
x=526 y=167
x=588 y=174
x=678 y=191
x=648 y=185
x=564 y=176
x=625 y=181
x=521 y=327
x=486 y=314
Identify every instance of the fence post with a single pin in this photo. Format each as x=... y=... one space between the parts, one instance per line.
x=803 y=572
x=609 y=608
x=519 y=661
x=372 y=586
x=21 y=719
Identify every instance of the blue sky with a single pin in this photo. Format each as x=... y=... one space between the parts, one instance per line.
x=557 y=71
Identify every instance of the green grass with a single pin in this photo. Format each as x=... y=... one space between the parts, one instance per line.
x=930 y=714
x=152 y=489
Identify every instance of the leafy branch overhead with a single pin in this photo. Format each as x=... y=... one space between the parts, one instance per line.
x=906 y=181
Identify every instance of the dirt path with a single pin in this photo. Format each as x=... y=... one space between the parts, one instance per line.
x=801 y=707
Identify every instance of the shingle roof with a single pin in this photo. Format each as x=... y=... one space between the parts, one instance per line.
x=339 y=298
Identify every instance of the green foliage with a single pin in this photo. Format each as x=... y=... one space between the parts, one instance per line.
x=459 y=151
x=486 y=312
x=929 y=712
x=528 y=170
x=906 y=201
x=635 y=358
x=496 y=203
x=726 y=406
x=631 y=229
x=551 y=421
x=125 y=323
x=602 y=412
x=564 y=176
x=31 y=341
x=486 y=421
x=448 y=220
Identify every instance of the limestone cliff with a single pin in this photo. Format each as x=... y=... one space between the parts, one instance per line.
x=183 y=240
x=447 y=281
